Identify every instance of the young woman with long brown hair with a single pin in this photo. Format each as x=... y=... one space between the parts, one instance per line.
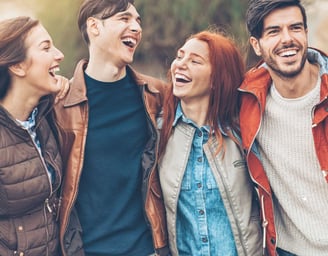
x=30 y=161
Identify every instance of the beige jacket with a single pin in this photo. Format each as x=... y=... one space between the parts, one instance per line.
x=233 y=182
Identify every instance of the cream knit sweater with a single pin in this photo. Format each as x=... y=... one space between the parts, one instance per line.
x=290 y=162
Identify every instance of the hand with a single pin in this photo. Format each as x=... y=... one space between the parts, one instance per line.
x=63 y=83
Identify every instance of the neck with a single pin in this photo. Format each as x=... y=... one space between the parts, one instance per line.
x=299 y=85
x=104 y=68
x=19 y=107
x=196 y=112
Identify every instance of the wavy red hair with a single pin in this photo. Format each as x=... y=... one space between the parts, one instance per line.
x=228 y=68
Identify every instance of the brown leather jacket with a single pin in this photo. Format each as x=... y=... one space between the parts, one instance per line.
x=72 y=114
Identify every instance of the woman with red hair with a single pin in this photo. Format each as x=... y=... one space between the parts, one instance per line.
x=209 y=199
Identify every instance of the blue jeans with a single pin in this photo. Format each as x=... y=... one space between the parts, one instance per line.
x=282 y=252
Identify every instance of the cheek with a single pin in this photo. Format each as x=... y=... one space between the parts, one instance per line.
x=204 y=79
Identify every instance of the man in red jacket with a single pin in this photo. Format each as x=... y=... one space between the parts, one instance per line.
x=284 y=127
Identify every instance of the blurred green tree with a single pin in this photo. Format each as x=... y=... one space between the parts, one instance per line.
x=166 y=24
x=60 y=18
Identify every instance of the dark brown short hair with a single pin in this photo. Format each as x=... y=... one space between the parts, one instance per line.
x=102 y=9
x=259 y=9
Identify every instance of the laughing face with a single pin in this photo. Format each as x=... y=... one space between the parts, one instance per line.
x=119 y=36
x=283 y=44
x=41 y=63
x=191 y=72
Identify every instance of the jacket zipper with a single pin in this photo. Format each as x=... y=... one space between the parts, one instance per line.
x=47 y=232
x=324 y=172
x=47 y=206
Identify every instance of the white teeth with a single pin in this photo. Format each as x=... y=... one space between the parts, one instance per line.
x=130 y=41
x=53 y=71
x=288 y=53
x=183 y=77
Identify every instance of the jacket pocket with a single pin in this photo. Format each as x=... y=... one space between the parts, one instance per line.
x=73 y=236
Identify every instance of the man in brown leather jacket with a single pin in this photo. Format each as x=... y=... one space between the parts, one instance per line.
x=111 y=197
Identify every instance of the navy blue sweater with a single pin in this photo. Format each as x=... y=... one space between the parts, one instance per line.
x=109 y=202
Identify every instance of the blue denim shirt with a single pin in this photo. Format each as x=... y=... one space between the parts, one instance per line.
x=203 y=227
x=29 y=125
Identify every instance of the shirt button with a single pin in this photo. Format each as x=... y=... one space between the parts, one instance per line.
x=273 y=241
x=20 y=228
x=201 y=212
x=21 y=254
x=199 y=133
x=204 y=239
x=200 y=159
x=199 y=185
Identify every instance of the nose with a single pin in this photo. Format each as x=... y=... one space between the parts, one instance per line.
x=181 y=63
x=135 y=26
x=286 y=36
x=59 y=56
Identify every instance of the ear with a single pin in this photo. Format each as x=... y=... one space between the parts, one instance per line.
x=18 y=69
x=92 y=26
x=256 y=45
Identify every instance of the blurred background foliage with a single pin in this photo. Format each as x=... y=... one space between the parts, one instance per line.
x=60 y=19
x=166 y=25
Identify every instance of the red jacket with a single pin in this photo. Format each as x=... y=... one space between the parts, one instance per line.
x=254 y=90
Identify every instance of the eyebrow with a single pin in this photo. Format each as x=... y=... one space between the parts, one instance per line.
x=129 y=14
x=192 y=54
x=46 y=41
x=277 y=26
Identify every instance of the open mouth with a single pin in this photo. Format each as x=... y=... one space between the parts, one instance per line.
x=53 y=71
x=182 y=78
x=130 y=42
x=287 y=53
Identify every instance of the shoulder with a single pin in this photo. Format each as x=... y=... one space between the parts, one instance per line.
x=154 y=85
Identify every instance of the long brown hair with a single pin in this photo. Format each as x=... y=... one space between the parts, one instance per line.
x=228 y=70
x=13 y=33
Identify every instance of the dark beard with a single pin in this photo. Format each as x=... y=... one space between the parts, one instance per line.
x=291 y=74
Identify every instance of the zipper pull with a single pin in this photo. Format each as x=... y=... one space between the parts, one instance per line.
x=48 y=206
x=58 y=207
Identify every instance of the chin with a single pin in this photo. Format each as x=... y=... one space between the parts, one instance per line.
x=129 y=61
